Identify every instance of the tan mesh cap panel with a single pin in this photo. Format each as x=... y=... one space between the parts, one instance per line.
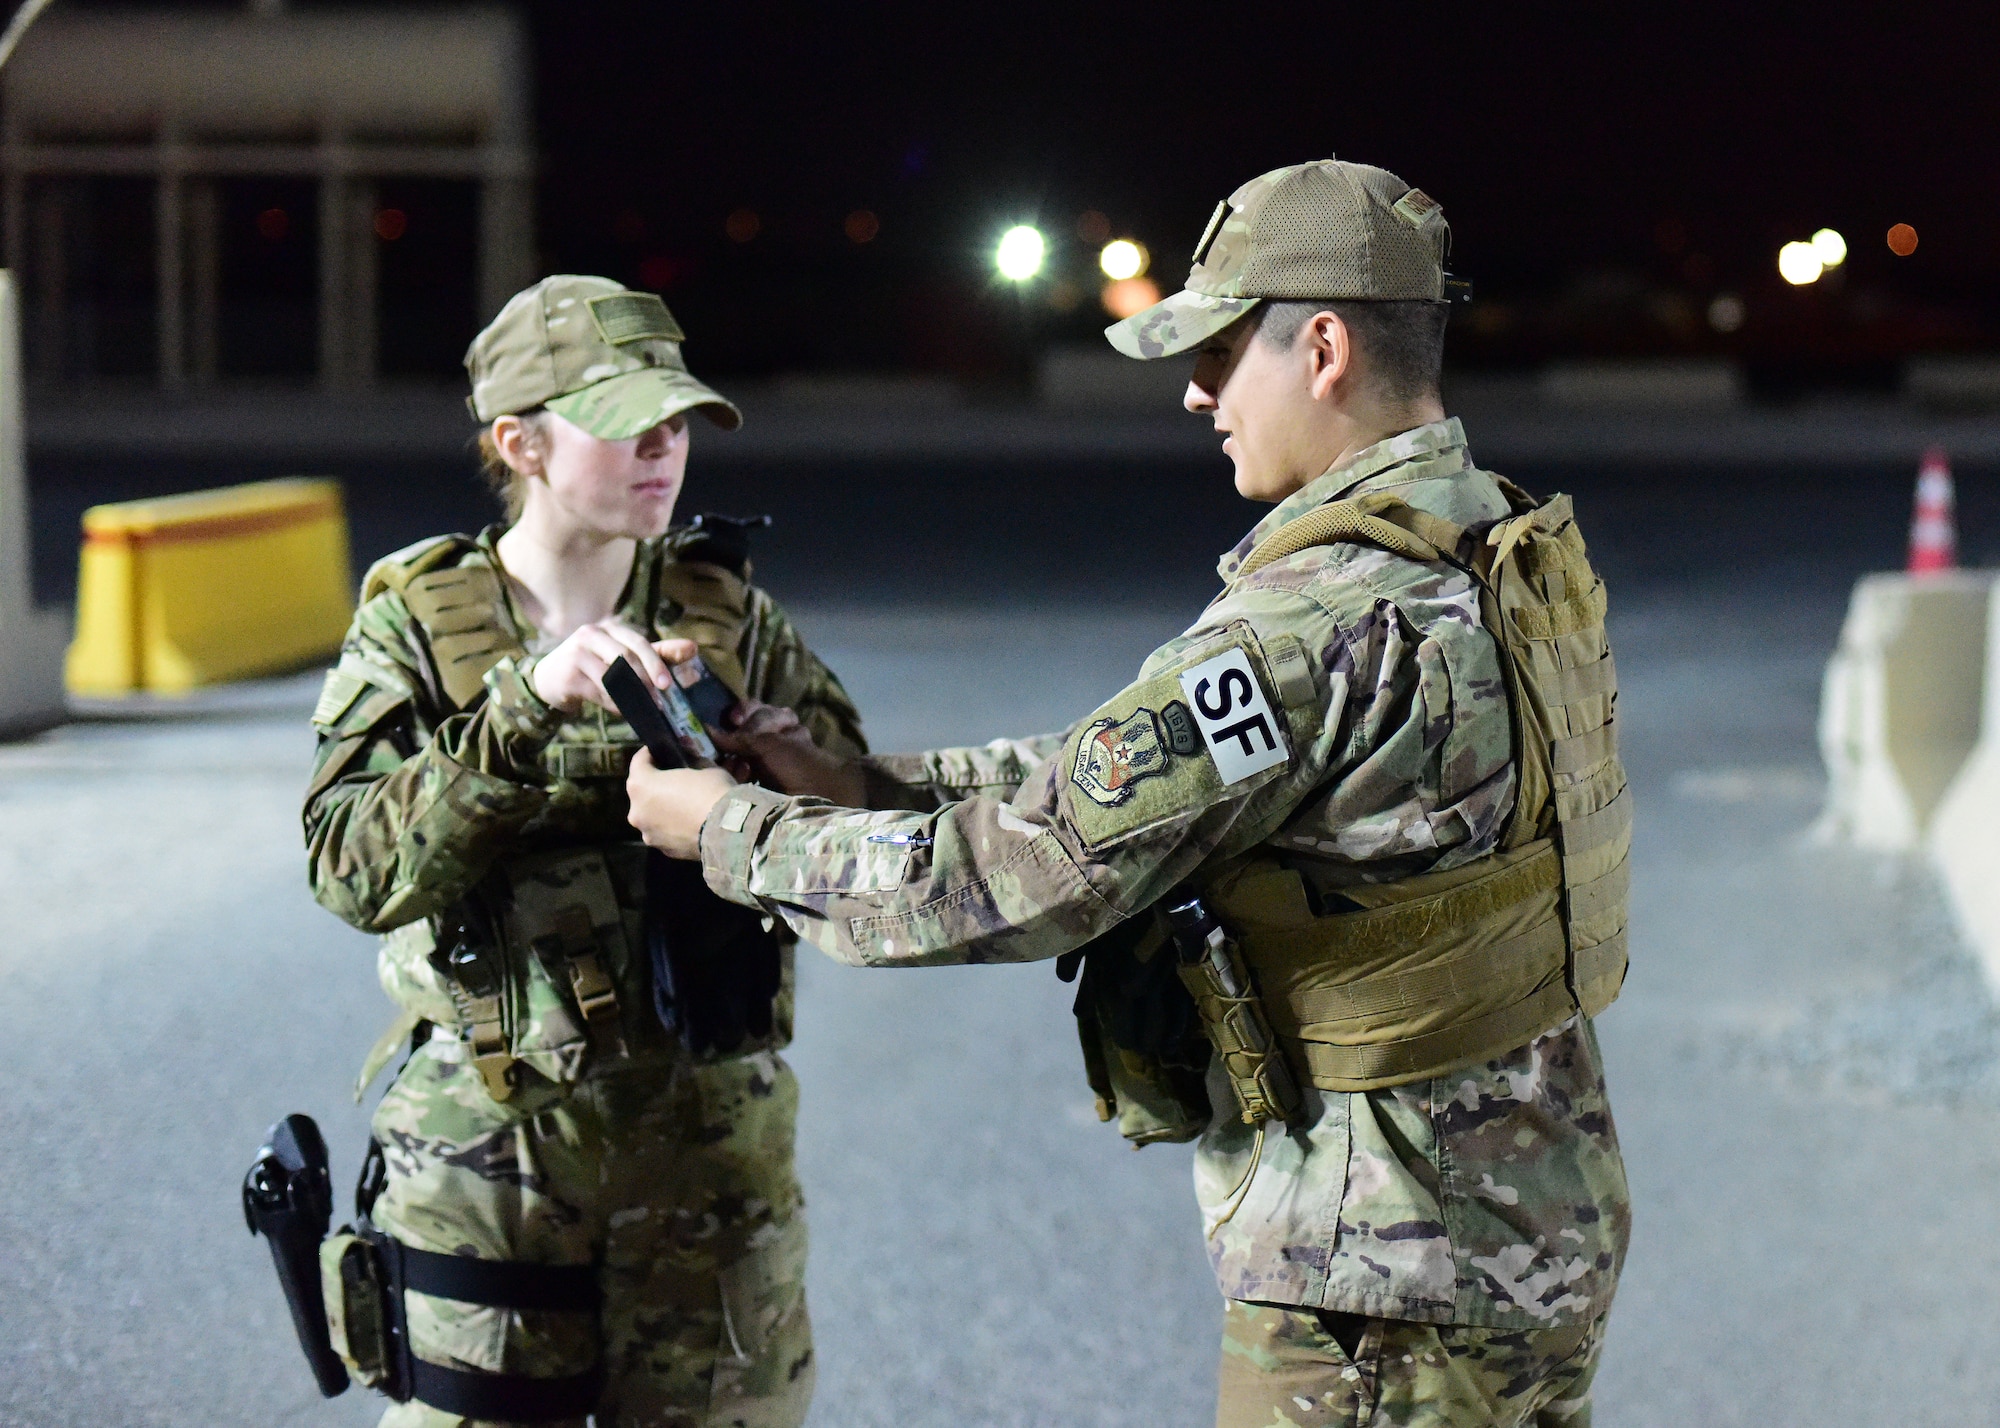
x=1329 y=229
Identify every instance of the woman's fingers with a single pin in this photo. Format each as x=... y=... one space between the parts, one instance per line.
x=594 y=651
x=573 y=673
x=635 y=646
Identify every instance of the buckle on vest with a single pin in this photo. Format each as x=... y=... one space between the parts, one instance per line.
x=475 y=987
x=486 y=1035
x=597 y=999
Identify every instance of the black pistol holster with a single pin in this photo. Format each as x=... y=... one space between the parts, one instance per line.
x=716 y=968
x=1143 y=1047
x=346 y=1291
x=288 y=1199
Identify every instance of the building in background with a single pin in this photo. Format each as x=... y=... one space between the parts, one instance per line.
x=197 y=196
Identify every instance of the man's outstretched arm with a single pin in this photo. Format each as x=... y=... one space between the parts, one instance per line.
x=1136 y=798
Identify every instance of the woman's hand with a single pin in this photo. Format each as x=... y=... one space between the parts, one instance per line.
x=784 y=757
x=670 y=805
x=572 y=674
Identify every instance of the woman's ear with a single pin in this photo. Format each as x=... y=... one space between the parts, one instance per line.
x=516 y=445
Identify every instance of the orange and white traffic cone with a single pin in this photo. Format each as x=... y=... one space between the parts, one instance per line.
x=1934 y=528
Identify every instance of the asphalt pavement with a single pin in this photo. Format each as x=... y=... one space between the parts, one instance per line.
x=1802 y=1064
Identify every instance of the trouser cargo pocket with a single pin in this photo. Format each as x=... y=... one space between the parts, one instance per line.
x=763 y=1364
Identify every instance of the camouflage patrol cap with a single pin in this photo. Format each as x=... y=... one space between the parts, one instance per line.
x=593 y=351
x=1327 y=230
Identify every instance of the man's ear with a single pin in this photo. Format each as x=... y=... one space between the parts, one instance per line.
x=1330 y=349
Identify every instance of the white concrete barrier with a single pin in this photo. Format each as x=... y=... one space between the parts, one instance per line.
x=1901 y=707
x=1965 y=833
x=31 y=640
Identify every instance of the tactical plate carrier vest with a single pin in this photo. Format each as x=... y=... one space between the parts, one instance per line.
x=528 y=969
x=1445 y=969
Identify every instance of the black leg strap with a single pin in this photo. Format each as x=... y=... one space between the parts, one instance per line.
x=504 y=1397
x=501 y=1284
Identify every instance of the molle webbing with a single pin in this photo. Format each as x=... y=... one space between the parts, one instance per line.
x=714 y=608
x=1456 y=969
x=464 y=616
x=579 y=761
x=1452 y=968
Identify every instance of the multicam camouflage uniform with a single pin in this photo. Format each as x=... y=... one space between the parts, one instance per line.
x=1490 y=1201
x=674 y=1176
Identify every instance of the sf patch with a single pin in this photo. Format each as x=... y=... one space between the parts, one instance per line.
x=1115 y=754
x=1243 y=733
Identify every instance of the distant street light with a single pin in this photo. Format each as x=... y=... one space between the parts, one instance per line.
x=1019 y=256
x=1799 y=264
x=1830 y=247
x=1122 y=258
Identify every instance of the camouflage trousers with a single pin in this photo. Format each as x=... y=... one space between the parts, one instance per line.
x=675 y=1180
x=1285 y=1368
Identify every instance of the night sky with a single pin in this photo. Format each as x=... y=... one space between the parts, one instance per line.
x=1593 y=160
x=1609 y=172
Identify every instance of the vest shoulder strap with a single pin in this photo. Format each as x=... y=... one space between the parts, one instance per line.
x=716 y=607
x=395 y=570
x=454 y=594
x=1334 y=522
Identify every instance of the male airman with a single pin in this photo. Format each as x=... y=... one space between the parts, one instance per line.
x=1367 y=811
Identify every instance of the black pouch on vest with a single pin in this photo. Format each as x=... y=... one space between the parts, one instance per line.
x=1144 y=1049
x=716 y=967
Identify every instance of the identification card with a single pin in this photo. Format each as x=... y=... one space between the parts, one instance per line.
x=1244 y=736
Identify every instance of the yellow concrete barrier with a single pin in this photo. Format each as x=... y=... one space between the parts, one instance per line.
x=210 y=586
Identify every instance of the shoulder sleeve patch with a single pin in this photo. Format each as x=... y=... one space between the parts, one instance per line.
x=336 y=697
x=357 y=694
x=1173 y=745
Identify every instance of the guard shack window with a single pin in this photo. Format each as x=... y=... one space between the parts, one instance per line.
x=193 y=196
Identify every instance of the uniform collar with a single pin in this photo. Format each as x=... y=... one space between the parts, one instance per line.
x=1434 y=449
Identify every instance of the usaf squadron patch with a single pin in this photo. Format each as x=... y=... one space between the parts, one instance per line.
x=1115 y=754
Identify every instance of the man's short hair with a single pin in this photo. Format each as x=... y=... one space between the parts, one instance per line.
x=1402 y=343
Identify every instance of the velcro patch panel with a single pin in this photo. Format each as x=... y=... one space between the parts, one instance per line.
x=1171 y=746
x=634 y=317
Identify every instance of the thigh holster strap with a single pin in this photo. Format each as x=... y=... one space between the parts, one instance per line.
x=504 y=1397
x=499 y=1284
